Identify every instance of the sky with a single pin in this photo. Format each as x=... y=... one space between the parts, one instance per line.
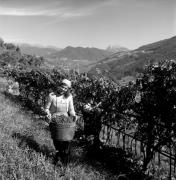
x=87 y=23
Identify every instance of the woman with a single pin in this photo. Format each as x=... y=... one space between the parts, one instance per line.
x=61 y=103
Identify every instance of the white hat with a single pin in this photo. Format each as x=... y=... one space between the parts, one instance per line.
x=67 y=82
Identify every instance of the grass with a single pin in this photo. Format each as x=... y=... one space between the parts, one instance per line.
x=26 y=149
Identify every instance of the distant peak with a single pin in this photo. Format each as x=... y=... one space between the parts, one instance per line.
x=116 y=48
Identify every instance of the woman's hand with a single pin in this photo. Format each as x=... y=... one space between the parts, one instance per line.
x=48 y=116
x=75 y=118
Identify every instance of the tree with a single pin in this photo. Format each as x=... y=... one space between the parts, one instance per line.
x=156 y=112
x=1 y=42
x=10 y=46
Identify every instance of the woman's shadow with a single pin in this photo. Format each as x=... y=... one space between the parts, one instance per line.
x=29 y=141
x=24 y=141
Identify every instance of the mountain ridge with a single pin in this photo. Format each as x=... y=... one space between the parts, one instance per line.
x=132 y=62
x=70 y=52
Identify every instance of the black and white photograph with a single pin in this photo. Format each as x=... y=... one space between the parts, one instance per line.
x=87 y=89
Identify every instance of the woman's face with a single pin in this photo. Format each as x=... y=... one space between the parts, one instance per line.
x=62 y=89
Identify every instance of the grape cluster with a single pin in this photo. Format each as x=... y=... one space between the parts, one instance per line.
x=63 y=119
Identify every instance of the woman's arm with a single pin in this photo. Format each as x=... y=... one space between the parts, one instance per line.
x=48 y=104
x=71 y=109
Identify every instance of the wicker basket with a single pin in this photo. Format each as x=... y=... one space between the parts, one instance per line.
x=62 y=132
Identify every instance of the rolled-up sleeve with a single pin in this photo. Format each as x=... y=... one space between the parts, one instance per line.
x=48 y=104
x=71 y=108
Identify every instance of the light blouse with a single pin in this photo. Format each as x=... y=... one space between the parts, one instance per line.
x=59 y=105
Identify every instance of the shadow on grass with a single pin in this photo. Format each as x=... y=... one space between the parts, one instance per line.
x=115 y=160
x=29 y=141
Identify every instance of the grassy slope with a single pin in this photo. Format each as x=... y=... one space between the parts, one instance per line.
x=26 y=149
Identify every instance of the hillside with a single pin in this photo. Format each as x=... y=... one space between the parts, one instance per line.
x=27 y=149
x=95 y=61
x=68 y=53
x=69 y=56
x=11 y=55
x=80 y=53
x=38 y=50
x=130 y=63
